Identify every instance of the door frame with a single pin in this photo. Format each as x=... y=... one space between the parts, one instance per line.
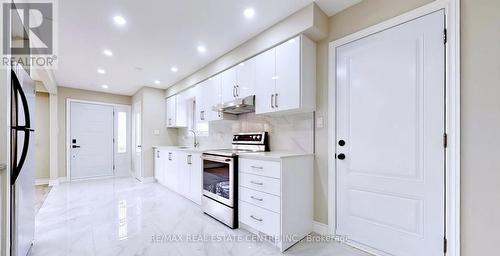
x=452 y=114
x=134 y=141
x=68 y=133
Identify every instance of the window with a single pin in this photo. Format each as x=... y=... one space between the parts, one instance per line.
x=122 y=132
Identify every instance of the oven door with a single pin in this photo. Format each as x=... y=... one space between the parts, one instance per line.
x=218 y=178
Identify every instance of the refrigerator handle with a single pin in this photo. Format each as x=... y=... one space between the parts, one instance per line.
x=26 y=128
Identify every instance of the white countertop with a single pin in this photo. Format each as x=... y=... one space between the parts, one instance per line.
x=272 y=155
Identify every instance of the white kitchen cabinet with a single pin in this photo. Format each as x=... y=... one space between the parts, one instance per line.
x=266 y=84
x=172 y=171
x=228 y=84
x=276 y=197
x=209 y=95
x=245 y=78
x=238 y=81
x=170 y=105
x=160 y=165
x=285 y=78
x=176 y=111
x=180 y=171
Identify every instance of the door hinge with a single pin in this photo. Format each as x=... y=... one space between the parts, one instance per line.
x=445 y=36
x=445 y=245
x=445 y=140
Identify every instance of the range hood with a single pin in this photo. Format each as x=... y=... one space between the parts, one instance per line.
x=237 y=106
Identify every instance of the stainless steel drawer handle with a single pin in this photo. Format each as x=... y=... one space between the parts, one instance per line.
x=257 y=167
x=258 y=199
x=257 y=183
x=255 y=218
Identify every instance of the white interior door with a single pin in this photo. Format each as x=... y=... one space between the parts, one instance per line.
x=390 y=114
x=91 y=140
x=137 y=138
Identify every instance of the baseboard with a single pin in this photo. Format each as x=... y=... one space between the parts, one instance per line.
x=148 y=180
x=320 y=228
x=42 y=181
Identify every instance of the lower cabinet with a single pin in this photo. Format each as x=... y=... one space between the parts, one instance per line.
x=180 y=172
x=276 y=198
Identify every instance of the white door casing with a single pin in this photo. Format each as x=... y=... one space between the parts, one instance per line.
x=91 y=140
x=136 y=140
x=390 y=113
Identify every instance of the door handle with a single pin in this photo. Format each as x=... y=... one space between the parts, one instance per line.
x=341 y=156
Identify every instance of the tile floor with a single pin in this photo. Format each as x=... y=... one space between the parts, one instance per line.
x=41 y=193
x=121 y=216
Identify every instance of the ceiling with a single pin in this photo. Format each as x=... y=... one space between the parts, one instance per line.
x=158 y=35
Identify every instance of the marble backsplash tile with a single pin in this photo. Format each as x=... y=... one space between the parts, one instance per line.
x=293 y=132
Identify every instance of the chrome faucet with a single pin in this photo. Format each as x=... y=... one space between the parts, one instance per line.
x=196 y=143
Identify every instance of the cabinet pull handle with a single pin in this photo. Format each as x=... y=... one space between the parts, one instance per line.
x=234 y=91
x=255 y=218
x=275 y=100
x=170 y=156
x=157 y=154
x=237 y=91
x=257 y=167
x=202 y=115
x=189 y=159
x=255 y=198
x=257 y=183
x=272 y=100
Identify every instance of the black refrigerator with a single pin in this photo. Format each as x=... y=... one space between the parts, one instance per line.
x=22 y=161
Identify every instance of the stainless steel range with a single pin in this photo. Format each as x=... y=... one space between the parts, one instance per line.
x=220 y=176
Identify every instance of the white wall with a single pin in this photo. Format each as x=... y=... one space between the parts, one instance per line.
x=153 y=118
x=42 y=138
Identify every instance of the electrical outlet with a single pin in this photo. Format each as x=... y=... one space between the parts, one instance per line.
x=156 y=132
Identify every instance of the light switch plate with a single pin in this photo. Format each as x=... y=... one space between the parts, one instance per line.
x=320 y=122
x=156 y=132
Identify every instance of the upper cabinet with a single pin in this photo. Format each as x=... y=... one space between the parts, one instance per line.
x=285 y=78
x=238 y=81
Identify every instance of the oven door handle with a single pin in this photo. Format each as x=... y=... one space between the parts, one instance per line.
x=217 y=158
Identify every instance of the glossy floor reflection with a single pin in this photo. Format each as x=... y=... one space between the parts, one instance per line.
x=124 y=217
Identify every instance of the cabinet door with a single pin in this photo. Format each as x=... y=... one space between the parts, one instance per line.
x=172 y=177
x=201 y=100
x=265 y=82
x=245 y=78
x=181 y=107
x=170 y=110
x=288 y=75
x=228 y=84
x=183 y=170
x=213 y=93
x=195 y=179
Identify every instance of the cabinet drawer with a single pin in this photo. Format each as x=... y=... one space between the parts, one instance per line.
x=260 y=183
x=260 y=219
x=264 y=200
x=259 y=167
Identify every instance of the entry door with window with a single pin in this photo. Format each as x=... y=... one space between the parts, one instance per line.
x=91 y=140
x=390 y=125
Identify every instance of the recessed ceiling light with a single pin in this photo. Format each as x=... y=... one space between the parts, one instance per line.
x=107 y=52
x=201 y=49
x=101 y=71
x=104 y=86
x=249 y=13
x=174 y=69
x=119 y=20
x=157 y=82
